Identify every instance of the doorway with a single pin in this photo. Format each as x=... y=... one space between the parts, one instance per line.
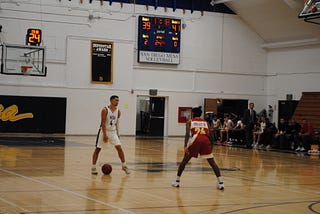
x=286 y=109
x=150 y=116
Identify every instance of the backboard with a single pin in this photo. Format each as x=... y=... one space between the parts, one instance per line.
x=23 y=60
x=311 y=12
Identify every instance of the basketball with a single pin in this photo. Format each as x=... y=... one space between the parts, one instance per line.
x=106 y=168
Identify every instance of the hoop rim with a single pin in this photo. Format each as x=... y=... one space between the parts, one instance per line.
x=24 y=68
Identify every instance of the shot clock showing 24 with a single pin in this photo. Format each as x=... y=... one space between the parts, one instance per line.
x=34 y=37
x=159 y=40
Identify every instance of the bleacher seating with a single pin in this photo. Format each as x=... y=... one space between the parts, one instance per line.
x=309 y=108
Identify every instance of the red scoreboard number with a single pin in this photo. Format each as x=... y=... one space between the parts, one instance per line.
x=33 y=37
x=146 y=25
x=159 y=34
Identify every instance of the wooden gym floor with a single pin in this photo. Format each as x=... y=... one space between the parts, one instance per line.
x=43 y=175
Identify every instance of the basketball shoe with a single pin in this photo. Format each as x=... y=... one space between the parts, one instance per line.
x=175 y=183
x=94 y=171
x=126 y=170
x=220 y=185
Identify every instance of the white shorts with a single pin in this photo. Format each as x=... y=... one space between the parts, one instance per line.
x=112 y=138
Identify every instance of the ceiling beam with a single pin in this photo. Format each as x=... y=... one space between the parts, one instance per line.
x=292 y=43
x=220 y=1
x=214 y=2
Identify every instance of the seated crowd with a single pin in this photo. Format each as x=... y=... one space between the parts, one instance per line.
x=287 y=136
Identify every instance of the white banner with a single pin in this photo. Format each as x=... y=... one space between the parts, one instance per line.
x=159 y=57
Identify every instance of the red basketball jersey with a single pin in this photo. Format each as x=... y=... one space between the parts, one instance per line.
x=199 y=143
x=199 y=126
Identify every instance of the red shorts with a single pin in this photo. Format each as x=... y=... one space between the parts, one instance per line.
x=202 y=146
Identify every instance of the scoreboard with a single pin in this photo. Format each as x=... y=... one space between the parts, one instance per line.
x=159 y=40
x=33 y=37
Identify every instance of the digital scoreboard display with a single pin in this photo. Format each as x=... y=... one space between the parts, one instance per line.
x=159 y=40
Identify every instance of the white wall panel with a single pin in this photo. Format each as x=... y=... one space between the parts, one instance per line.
x=241 y=48
x=163 y=79
x=202 y=43
x=232 y=83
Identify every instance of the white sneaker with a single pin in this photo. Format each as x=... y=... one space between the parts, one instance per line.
x=94 y=171
x=126 y=170
x=302 y=149
x=298 y=149
x=175 y=183
x=220 y=185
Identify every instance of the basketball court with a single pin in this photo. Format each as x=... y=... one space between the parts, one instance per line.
x=52 y=175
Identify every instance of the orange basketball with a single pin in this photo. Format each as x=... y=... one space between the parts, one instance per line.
x=106 y=168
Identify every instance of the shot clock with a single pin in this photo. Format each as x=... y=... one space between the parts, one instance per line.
x=34 y=37
x=159 y=40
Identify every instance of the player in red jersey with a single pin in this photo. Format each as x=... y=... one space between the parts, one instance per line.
x=199 y=144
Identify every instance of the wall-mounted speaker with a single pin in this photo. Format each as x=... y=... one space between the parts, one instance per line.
x=153 y=92
x=289 y=96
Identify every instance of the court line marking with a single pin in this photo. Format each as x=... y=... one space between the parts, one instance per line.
x=13 y=204
x=135 y=190
x=268 y=205
x=311 y=207
x=67 y=191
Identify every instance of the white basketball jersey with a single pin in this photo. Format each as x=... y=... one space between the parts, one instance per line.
x=112 y=119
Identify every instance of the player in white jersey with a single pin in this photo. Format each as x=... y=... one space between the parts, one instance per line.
x=109 y=132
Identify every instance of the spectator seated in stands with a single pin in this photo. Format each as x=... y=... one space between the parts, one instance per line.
x=238 y=134
x=264 y=134
x=280 y=139
x=215 y=127
x=292 y=134
x=257 y=132
x=306 y=136
x=225 y=130
x=267 y=137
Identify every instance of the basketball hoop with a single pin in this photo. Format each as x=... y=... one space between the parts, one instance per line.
x=311 y=12
x=24 y=68
x=23 y=60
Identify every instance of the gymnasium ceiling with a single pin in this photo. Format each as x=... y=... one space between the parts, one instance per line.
x=276 y=21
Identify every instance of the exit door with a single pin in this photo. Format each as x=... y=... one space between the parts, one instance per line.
x=156 y=109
